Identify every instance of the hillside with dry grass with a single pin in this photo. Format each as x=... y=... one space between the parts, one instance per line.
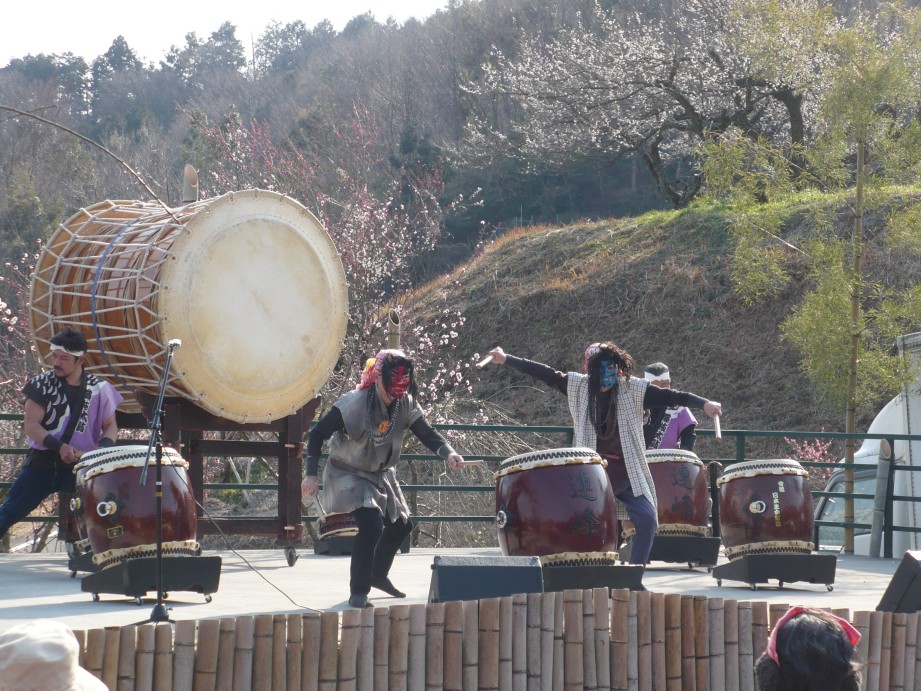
x=661 y=286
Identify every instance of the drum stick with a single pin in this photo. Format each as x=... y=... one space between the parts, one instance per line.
x=476 y=461
x=717 y=432
x=485 y=361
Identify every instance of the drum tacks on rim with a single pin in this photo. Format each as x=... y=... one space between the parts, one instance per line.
x=249 y=282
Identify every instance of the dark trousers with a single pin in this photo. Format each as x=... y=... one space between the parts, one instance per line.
x=31 y=488
x=640 y=510
x=374 y=548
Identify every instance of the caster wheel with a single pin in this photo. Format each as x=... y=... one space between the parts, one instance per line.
x=830 y=587
x=753 y=586
x=719 y=582
x=709 y=569
x=291 y=555
x=73 y=574
x=166 y=596
x=138 y=601
x=95 y=597
x=207 y=598
x=780 y=584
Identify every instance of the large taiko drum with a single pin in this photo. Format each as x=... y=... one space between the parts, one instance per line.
x=765 y=508
x=249 y=282
x=120 y=514
x=549 y=502
x=680 y=481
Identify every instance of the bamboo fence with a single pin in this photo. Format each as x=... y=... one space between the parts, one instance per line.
x=557 y=641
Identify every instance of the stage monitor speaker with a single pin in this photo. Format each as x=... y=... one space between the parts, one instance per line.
x=559 y=578
x=904 y=591
x=475 y=578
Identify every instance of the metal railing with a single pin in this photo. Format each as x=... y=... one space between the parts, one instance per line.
x=741 y=441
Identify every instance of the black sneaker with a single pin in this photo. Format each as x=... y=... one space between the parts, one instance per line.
x=359 y=602
x=388 y=587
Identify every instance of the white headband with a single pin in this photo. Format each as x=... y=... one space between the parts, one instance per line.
x=75 y=353
x=649 y=376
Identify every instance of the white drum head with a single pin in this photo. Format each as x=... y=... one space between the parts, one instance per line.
x=257 y=295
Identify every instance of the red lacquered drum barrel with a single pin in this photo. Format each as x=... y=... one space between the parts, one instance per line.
x=555 y=501
x=765 y=508
x=682 y=496
x=120 y=514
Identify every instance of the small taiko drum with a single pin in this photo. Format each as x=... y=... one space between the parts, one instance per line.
x=765 y=508
x=554 y=501
x=680 y=481
x=249 y=282
x=120 y=514
x=337 y=525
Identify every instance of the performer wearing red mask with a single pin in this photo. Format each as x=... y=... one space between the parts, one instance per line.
x=366 y=429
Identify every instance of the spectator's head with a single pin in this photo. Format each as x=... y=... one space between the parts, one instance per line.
x=43 y=654
x=657 y=375
x=809 y=650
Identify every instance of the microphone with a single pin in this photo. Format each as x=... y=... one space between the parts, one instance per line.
x=174 y=344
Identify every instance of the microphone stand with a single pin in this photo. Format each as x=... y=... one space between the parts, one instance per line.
x=159 y=614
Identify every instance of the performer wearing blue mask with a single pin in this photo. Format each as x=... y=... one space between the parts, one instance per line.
x=606 y=403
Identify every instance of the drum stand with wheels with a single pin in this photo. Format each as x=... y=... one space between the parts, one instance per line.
x=692 y=550
x=784 y=568
x=132 y=577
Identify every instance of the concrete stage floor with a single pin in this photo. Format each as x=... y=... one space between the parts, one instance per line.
x=39 y=585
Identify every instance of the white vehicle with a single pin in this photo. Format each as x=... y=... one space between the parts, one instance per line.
x=901 y=415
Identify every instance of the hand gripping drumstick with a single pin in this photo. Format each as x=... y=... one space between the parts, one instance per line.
x=485 y=361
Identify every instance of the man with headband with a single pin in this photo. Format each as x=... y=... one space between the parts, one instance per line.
x=667 y=427
x=606 y=403
x=68 y=411
x=366 y=428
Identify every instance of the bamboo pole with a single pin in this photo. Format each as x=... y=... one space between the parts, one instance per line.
x=632 y=641
x=454 y=646
x=746 y=661
x=144 y=662
x=416 y=660
x=885 y=651
x=657 y=640
x=602 y=638
x=488 y=642
x=95 y=650
x=911 y=650
x=731 y=643
x=348 y=654
x=862 y=624
x=534 y=659
x=80 y=635
x=702 y=643
x=226 y=640
x=897 y=660
x=471 y=649
x=558 y=669
x=109 y=674
x=184 y=656
x=760 y=628
x=547 y=613
x=381 y=649
x=573 y=639
x=874 y=650
x=620 y=610
x=673 y=642
x=717 y=625
x=295 y=651
x=435 y=635
x=399 y=648
x=263 y=663
x=328 y=650
x=366 y=651
x=688 y=652
x=644 y=640
x=163 y=657
x=205 y=655
x=279 y=652
x=243 y=654
x=127 y=650
x=589 y=668
x=504 y=635
x=519 y=642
